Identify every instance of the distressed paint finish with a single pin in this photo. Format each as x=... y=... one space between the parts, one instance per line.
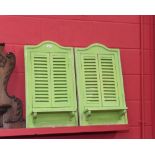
x=50 y=86
x=100 y=86
x=114 y=31
x=50 y=77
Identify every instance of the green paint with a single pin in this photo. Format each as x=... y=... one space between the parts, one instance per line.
x=100 y=86
x=50 y=86
x=51 y=98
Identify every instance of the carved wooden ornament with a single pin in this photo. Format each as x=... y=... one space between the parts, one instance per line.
x=10 y=106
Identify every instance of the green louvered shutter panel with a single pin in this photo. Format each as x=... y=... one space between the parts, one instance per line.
x=100 y=86
x=41 y=80
x=62 y=77
x=109 y=80
x=50 y=86
x=90 y=80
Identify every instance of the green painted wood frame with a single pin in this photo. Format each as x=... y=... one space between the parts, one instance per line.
x=100 y=86
x=100 y=98
x=50 y=86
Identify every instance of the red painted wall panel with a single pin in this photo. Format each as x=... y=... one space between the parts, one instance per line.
x=105 y=18
x=147 y=61
x=134 y=114
x=147 y=35
x=148 y=114
x=128 y=57
x=148 y=132
x=122 y=32
x=147 y=87
x=84 y=33
x=19 y=30
x=132 y=87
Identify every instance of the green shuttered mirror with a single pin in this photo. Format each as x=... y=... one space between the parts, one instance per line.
x=50 y=86
x=100 y=86
x=71 y=87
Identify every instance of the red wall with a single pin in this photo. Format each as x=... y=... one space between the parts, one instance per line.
x=132 y=34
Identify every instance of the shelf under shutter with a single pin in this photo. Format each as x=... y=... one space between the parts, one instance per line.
x=41 y=80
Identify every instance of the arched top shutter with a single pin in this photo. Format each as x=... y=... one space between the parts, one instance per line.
x=50 y=85
x=100 y=86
